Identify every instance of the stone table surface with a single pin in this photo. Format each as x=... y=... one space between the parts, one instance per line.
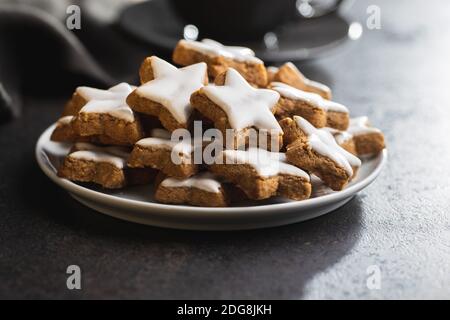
x=398 y=75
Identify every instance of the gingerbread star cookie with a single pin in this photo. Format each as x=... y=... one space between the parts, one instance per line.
x=203 y=189
x=167 y=91
x=107 y=114
x=83 y=95
x=64 y=132
x=105 y=166
x=368 y=140
x=262 y=174
x=174 y=158
x=317 y=152
x=236 y=105
x=288 y=73
x=219 y=58
x=318 y=111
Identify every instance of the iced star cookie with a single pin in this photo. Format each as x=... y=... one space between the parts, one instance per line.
x=83 y=95
x=64 y=132
x=174 y=158
x=166 y=91
x=368 y=140
x=236 y=105
x=288 y=73
x=203 y=189
x=107 y=114
x=219 y=58
x=105 y=166
x=301 y=103
x=317 y=110
x=262 y=174
x=317 y=152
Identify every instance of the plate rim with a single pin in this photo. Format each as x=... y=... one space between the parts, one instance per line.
x=113 y=200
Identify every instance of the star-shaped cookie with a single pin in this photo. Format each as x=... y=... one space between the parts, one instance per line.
x=262 y=174
x=111 y=101
x=219 y=58
x=212 y=47
x=167 y=95
x=106 y=114
x=239 y=106
x=83 y=95
x=317 y=152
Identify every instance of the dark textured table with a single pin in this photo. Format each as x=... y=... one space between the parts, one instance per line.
x=398 y=75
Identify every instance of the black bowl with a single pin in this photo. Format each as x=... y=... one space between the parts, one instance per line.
x=233 y=19
x=157 y=26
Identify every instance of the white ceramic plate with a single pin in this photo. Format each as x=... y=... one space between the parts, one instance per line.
x=136 y=204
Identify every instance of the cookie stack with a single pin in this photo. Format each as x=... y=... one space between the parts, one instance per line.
x=220 y=128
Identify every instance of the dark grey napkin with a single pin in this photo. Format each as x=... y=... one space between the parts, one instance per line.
x=39 y=56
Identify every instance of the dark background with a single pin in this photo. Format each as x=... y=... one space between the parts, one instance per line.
x=398 y=76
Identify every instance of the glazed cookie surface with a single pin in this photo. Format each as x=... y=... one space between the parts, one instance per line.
x=107 y=114
x=203 y=189
x=288 y=73
x=236 y=105
x=318 y=111
x=174 y=158
x=167 y=91
x=317 y=152
x=219 y=58
x=262 y=174
x=105 y=166
x=83 y=95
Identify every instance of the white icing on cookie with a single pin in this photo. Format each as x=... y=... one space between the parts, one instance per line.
x=65 y=120
x=160 y=133
x=162 y=139
x=323 y=143
x=244 y=105
x=99 y=156
x=172 y=87
x=111 y=101
x=309 y=97
x=114 y=150
x=204 y=181
x=116 y=156
x=306 y=81
x=340 y=136
x=113 y=93
x=266 y=163
x=272 y=69
x=361 y=125
x=214 y=48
